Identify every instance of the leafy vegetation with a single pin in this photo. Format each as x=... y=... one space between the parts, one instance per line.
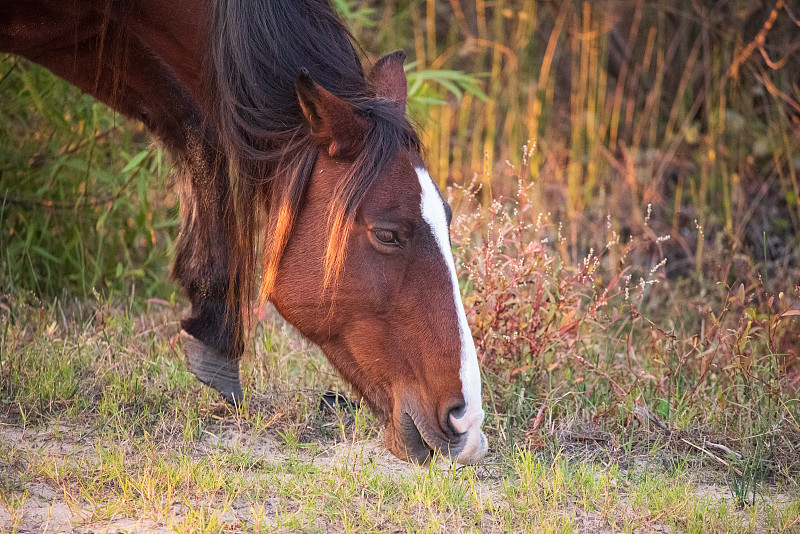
x=85 y=202
x=625 y=184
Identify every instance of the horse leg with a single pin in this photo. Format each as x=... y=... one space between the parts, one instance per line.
x=126 y=74
x=211 y=337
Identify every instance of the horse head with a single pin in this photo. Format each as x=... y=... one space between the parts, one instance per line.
x=368 y=273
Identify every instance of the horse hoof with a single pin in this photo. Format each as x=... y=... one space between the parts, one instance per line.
x=212 y=368
x=332 y=402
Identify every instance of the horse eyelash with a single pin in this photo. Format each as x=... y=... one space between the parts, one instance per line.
x=395 y=238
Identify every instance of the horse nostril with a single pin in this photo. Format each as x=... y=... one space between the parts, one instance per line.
x=452 y=417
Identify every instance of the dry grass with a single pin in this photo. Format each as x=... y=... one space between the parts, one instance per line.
x=611 y=342
x=104 y=430
x=690 y=108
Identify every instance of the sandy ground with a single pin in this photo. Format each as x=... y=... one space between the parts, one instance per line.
x=48 y=508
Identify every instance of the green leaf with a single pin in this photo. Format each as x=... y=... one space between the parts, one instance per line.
x=135 y=161
x=42 y=252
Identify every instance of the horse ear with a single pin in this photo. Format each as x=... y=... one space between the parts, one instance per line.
x=332 y=121
x=388 y=79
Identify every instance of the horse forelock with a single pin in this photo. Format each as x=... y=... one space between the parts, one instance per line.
x=257 y=50
x=389 y=135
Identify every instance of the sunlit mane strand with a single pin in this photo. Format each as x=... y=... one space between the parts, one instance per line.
x=258 y=48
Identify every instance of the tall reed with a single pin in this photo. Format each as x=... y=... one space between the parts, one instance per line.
x=690 y=109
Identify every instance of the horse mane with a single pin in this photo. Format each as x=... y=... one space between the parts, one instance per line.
x=257 y=50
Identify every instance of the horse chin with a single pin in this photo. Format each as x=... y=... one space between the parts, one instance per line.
x=409 y=437
x=403 y=439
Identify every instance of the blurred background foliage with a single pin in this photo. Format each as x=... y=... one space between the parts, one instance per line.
x=692 y=108
x=85 y=202
x=667 y=117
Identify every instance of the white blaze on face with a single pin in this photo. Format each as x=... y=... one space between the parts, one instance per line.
x=469 y=423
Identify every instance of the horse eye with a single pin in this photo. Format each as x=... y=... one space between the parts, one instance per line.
x=387 y=237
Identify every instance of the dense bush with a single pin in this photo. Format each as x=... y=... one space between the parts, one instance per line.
x=85 y=201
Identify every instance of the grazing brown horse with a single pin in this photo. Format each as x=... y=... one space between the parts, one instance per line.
x=265 y=109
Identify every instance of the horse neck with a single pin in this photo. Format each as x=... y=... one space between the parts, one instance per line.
x=178 y=35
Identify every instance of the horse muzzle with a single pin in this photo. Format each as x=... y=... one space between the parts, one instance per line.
x=472 y=441
x=413 y=436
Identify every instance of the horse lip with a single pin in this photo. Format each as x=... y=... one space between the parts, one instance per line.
x=464 y=448
x=425 y=441
x=418 y=441
x=413 y=446
x=444 y=447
